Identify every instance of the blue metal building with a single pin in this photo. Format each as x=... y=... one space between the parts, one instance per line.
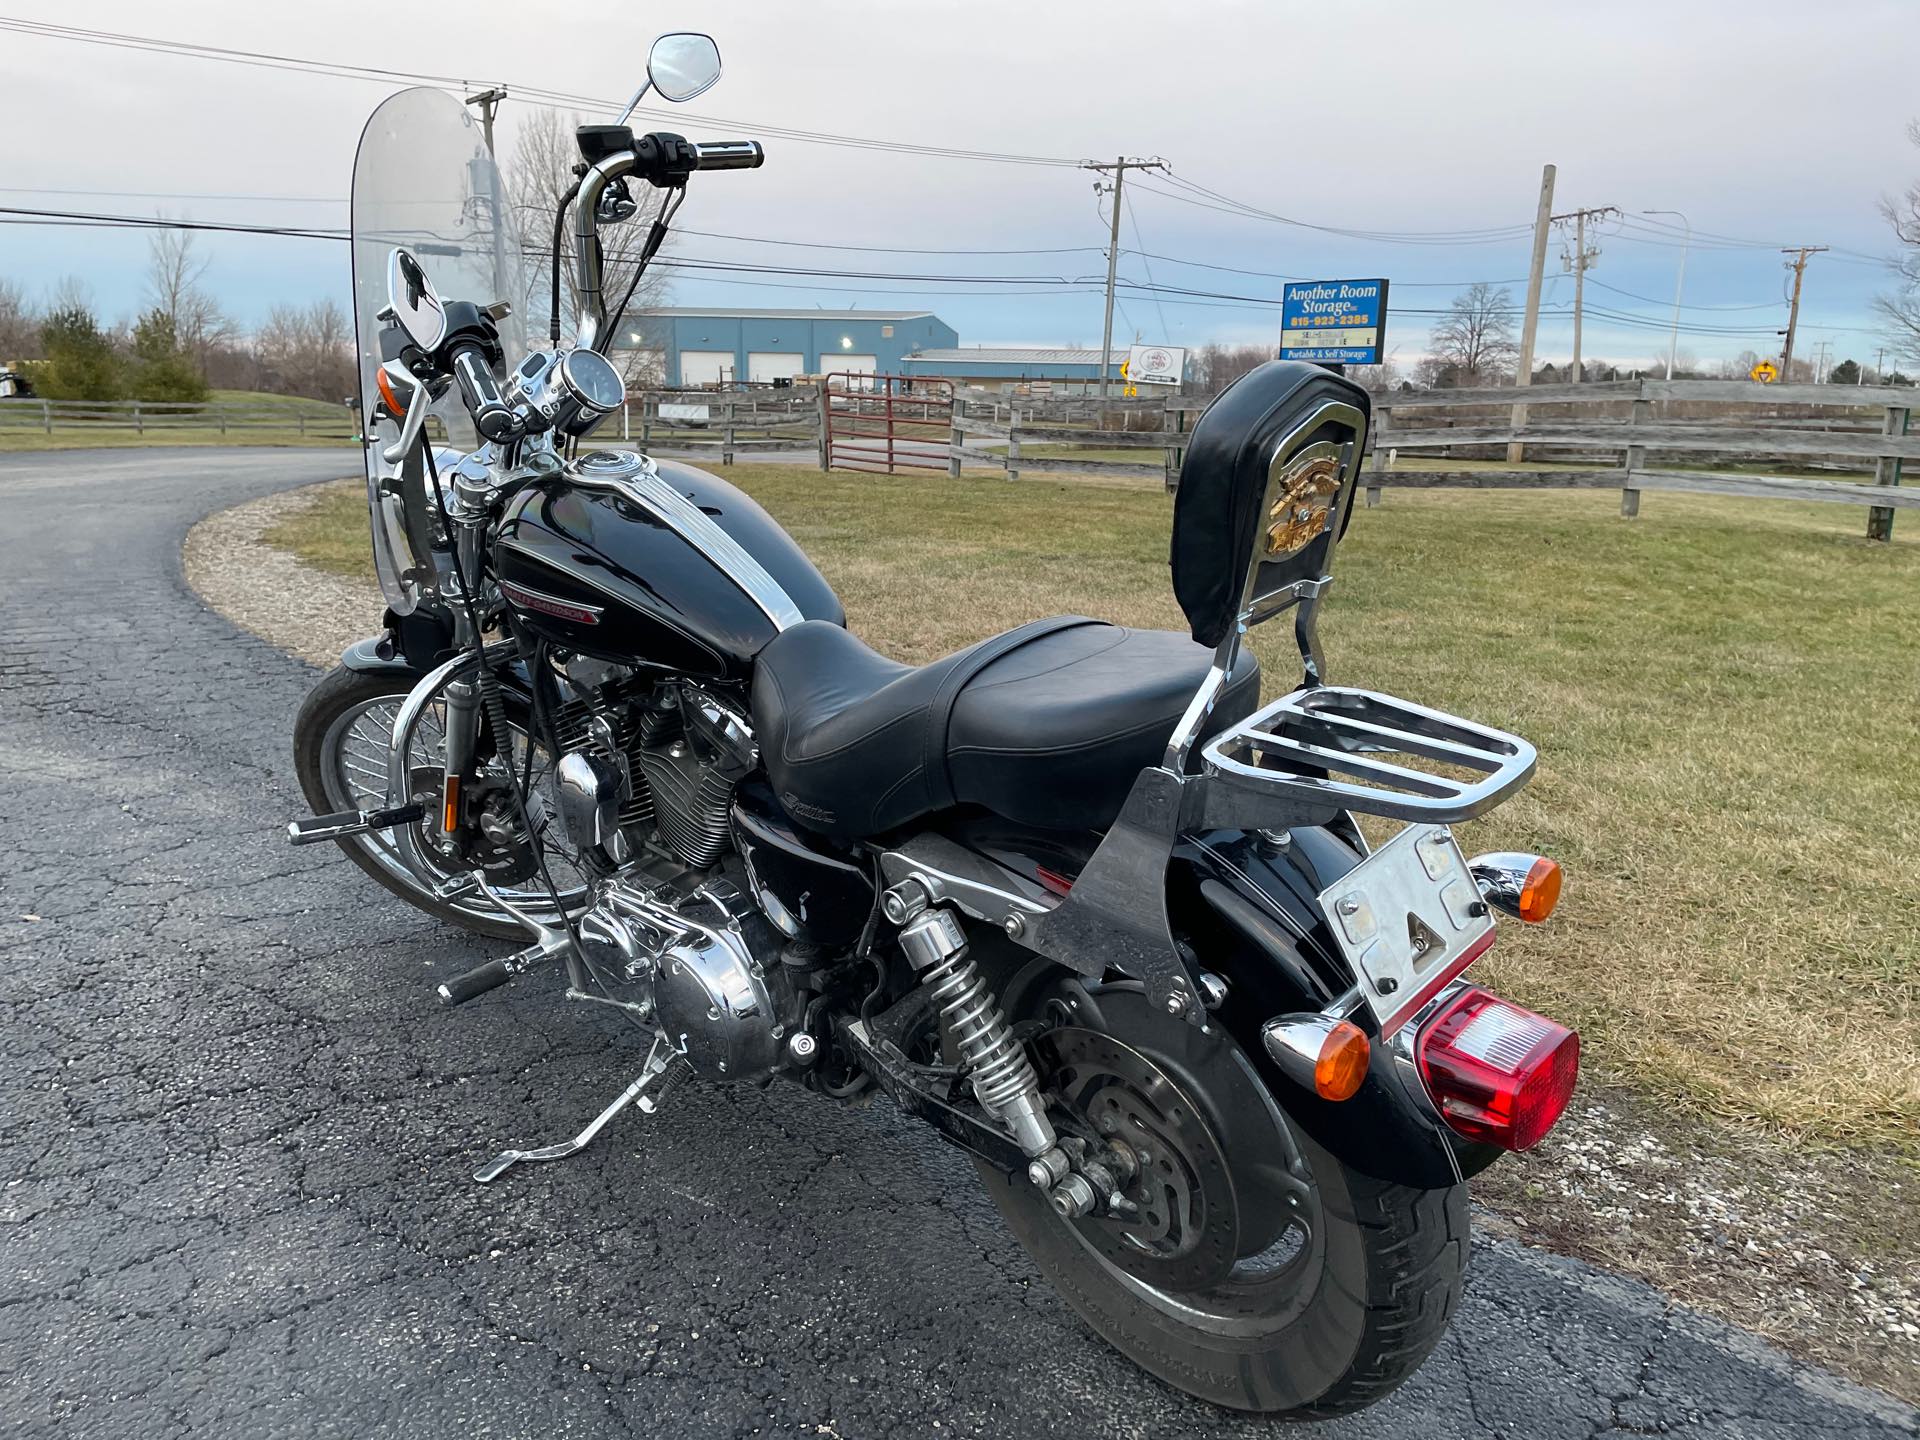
x=1067 y=371
x=715 y=346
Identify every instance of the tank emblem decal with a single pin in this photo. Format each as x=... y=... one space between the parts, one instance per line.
x=553 y=605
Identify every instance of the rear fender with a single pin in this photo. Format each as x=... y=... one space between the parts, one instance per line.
x=1250 y=907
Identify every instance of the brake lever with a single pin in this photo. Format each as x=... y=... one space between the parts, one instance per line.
x=413 y=422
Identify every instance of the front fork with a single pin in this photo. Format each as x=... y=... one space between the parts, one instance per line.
x=462 y=698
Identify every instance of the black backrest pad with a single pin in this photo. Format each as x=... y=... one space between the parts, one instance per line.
x=1217 y=516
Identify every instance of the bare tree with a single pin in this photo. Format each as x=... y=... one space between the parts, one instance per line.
x=175 y=270
x=19 y=325
x=1901 y=308
x=1213 y=367
x=307 y=350
x=1474 y=340
x=544 y=154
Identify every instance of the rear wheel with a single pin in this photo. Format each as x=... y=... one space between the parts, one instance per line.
x=1252 y=1268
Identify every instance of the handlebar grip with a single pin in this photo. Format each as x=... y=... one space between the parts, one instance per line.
x=728 y=155
x=491 y=415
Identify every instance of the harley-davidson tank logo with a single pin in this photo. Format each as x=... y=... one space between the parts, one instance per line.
x=553 y=605
x=1304 y=507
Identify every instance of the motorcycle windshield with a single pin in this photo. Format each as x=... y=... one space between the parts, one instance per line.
x=422 y=178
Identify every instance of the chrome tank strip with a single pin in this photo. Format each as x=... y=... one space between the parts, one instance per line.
x=639 y=482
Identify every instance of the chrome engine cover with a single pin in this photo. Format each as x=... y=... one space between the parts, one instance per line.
x=711 y=1000
x=706 y=983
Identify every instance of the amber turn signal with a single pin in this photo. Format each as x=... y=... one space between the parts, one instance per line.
x=1330 y=1055
x=394 y=406
x=1540 y=892
x=1342 y=1062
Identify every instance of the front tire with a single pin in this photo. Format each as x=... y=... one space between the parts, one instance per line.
x=339 y=753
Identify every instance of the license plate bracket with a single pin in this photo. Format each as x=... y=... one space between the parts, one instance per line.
x=1409 y=918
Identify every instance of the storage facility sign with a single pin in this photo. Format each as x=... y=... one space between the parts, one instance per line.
x=1155 y=364
x=1339 y=321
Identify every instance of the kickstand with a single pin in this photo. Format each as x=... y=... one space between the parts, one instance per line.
x=664 y=1071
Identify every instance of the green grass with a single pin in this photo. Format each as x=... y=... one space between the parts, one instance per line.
x=1723 y=693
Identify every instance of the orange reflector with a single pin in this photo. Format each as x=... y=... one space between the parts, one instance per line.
x=1541 y=891
x=394 y=407
x=451 y=819
x=1342 y=1062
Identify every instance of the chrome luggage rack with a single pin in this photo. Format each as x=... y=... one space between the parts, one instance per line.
x=1342 y=748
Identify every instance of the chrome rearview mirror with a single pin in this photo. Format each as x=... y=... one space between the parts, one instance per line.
x=683 y=65
x=410 y=298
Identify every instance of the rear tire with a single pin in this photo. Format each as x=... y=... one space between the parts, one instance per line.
x=1354 y=1281
x=1391 y=1278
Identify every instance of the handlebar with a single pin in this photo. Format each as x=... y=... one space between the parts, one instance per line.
x=661 y=159
x=492 y=417
x=728 y=155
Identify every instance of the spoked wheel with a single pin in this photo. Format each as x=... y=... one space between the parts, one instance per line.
x=1233 y=1257
x=341 y=740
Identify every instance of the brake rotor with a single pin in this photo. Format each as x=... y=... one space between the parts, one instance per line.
x=499 y=849
x=1179 y=1226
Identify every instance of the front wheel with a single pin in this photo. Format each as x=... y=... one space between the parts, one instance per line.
x=1254 y=1269
x=340 y=745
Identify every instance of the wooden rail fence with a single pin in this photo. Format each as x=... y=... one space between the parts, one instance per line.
x=1698 y=436
x=1794 y=443
x=1706 y=434
x=160 y=417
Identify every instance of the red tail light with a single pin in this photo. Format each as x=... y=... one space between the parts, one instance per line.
x=1500 y=1074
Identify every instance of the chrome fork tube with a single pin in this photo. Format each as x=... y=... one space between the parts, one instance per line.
x=463 y=725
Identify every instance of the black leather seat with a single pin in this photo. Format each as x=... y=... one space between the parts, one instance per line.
x=1046 y=725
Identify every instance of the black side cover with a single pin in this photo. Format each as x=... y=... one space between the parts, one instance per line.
x=1216 y=513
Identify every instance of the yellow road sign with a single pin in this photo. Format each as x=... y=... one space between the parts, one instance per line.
x=1766 y=372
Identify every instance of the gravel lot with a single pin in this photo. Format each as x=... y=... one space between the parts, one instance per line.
x=238 y=1128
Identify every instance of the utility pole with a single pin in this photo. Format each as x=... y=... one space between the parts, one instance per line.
x=1523 y=371
x=1119 y=167
x=1679 y=282
x=488 y=101
x=1801 y=254
x=1581 y=259
x=484 y=178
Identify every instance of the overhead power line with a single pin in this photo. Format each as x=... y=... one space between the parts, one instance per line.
x=806 y=278
x=532 y=94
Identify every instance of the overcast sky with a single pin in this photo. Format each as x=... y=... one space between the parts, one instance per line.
x=1775 y=123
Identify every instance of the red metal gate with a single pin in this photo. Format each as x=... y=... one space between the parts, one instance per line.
x=889 y=424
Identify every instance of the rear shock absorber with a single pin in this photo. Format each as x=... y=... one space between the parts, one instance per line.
x=1003 y=1078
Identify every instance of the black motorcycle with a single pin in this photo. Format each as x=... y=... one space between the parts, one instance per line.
x=1074 y=896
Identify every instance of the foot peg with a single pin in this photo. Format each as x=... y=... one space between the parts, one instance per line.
x=345 y=824
x=660 y=1075
x=495 y=973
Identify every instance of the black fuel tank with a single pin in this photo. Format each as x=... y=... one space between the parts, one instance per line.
x=589 y=568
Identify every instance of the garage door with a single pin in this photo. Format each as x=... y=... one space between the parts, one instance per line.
x=767 y=365
x=705 y=367
x=856 y=365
